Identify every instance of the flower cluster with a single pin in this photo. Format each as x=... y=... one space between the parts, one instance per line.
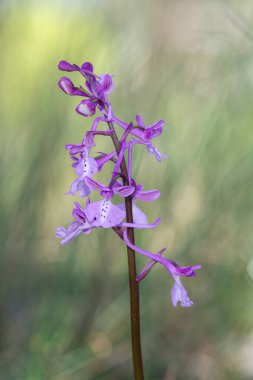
x=106 y=213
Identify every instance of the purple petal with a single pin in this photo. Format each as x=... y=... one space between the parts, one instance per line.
x=187 y=271
x=89 y=139
x=60 y=232
x=142 y=226
x=94 y=185
x=78 y=213
x=179 y=294
x=86 y=108
x=124 y=191
x=71 y=235
x=83 y=189
x=68 y=234
x=139 y=216
x=147 y=196
x=79 y=186
x=158 y=155
x=66 y=85
x=140 y=121
x=154 y=131
x=107 y=193
x=106 y=83
x=75 y=148
x=105 y=158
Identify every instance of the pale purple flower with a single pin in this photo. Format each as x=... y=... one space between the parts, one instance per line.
x=179 y=294
x=101 y=214
x=105 y=214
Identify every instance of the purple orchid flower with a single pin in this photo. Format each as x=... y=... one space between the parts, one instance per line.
x=105 y=213
x=101 y=214
x=178 y=292
x=107 y=192
x=144 y=133
x=138 y=194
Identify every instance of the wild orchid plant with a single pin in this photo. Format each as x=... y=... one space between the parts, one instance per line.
x=124 y=217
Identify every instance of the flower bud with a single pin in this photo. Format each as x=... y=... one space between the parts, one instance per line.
x=67 y=86
x=66 y=66
x=86 y=108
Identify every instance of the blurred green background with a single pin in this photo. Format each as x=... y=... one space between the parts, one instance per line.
x=65 y=310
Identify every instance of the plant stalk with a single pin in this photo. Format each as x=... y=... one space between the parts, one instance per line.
x=133 y=284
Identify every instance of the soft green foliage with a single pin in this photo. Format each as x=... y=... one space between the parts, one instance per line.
x=65 y=312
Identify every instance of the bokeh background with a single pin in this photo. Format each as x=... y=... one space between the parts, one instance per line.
x=65 y=310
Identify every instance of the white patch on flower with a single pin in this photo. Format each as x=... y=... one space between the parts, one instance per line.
x=88 y=164
x=104 y=210
x=84 y=109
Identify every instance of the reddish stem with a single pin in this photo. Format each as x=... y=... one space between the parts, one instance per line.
x=133 y=284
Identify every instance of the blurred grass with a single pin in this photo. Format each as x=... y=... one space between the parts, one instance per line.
x=64 y=311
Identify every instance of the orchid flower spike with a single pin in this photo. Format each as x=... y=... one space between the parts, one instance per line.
x=108 y=212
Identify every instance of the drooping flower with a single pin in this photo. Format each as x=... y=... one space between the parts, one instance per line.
x=178 y=292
